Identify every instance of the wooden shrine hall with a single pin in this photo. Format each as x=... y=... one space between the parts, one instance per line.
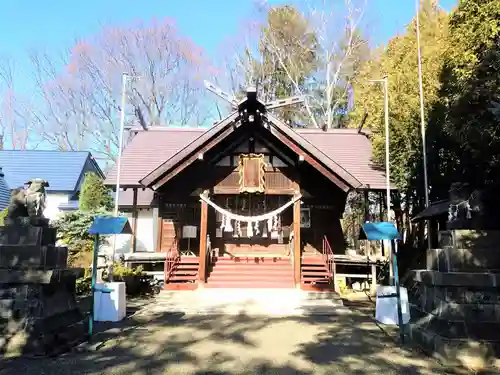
x=248 y=202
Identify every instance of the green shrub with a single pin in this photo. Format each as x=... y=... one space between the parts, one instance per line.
x=120 y=271
x=72 y=230
x=84 y=284
x=3 y=215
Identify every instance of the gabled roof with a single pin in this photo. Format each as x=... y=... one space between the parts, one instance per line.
x=149 y=149
x=250 y=113
x=62 y=169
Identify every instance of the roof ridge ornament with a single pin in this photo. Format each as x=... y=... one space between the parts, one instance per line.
x=252 y=95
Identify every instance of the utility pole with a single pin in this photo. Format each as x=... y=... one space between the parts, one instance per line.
x=385 y=82
x=422 y=123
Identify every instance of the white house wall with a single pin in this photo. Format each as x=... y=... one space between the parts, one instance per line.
x=52 y=203
x=144 y=235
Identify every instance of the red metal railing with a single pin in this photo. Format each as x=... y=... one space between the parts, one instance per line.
x=171 y=262
x=328 y=258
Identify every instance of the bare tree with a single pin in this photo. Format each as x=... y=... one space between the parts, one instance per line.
x=14 y=130
x=340 y=49
x=82 y=101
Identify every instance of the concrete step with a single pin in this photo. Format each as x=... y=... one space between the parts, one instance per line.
x=237 y=285
x=249 y=301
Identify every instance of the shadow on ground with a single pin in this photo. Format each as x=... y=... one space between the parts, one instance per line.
x=170 y=343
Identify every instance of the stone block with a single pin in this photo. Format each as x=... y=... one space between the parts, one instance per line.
x=20 y=256
x=455 y=294
x=451 y=311
x=20 y=235
x=33 y=256
x=24 y=276
x=55 y=257
x=476 y=239
x=27 y=235
x=465 y=279
x=479 y=312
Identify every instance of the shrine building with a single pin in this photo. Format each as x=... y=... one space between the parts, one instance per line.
x=246 y=203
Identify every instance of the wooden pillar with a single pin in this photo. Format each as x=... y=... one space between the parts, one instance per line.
x=297 y=253
x=134 y=220
x=159 y=222
x=203 y=240
x=156 y=227
x=374 y=279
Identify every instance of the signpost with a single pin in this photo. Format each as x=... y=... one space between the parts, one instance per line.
x=103 y=225
x=387 y=231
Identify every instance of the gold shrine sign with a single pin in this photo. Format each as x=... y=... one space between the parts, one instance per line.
x=252 y=171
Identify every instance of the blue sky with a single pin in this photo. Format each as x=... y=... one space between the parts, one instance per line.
x=53 y=24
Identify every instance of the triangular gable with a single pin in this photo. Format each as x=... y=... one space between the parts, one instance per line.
x=277 y=128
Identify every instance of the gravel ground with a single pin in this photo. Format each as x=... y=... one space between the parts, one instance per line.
x=223 y=345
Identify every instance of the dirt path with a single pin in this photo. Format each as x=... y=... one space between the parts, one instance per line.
x=194 y=345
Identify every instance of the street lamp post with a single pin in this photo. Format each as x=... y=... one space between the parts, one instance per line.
x=385 y=83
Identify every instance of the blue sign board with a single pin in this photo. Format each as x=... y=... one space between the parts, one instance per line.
x=379 y=231
x=106 y=225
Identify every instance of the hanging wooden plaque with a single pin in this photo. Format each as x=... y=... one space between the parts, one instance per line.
x=252 y=171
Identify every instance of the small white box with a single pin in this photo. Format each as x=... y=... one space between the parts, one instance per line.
x=386 y=308
x=110 y=306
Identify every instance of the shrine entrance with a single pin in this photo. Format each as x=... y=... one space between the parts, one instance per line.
x=250 y=225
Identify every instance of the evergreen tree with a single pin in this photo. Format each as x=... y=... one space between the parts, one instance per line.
x=464 y=127
x=399 y=62
x=94 y=195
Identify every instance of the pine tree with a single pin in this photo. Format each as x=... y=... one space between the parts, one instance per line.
x=94 y=195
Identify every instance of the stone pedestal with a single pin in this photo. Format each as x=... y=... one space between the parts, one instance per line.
x=455 y=302
x=38 y=311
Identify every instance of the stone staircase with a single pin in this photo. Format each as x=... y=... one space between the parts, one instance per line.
x=252 y=302
x=251 y=272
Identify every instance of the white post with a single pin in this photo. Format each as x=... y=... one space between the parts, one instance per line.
x=387 y=169
x=422 y=123
x=119 y=162
x=385 y=82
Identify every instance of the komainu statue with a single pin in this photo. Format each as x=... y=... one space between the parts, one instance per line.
x=36 y=197
x=26 y=204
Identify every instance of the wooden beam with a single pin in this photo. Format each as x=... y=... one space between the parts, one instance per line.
x=332 y=177
x=134 y=220
x=297 y=251
x=203 y=241
x=192 y=158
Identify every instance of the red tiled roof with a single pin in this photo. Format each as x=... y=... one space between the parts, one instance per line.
x=351 y=150
x=149 y=149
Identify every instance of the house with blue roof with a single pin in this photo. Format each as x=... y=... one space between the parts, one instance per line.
x=4 y=192
x=64 y=170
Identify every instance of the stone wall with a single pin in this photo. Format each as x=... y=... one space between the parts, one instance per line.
x=455 y=302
